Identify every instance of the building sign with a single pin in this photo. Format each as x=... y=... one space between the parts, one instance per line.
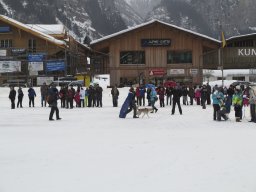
x=7 y=58
x=5 y=29
x=193 y=71
x=35 y=66
x=10 y=66
x=177 y=71
x=157 y=72
x=55 y=65
x=18 y=51
x=35 y=57
x=249 y=52
x=155 y=42
x=3 y=52
x=42 y=80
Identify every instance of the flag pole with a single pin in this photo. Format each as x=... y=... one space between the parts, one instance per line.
x=223 y=44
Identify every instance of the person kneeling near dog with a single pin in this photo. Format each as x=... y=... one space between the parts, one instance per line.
x=132 y=105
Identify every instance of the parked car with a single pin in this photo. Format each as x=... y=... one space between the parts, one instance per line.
x=243 y=83
x=77 y=83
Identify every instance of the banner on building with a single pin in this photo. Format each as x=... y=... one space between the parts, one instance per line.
x=10 y=66
x=5 y=29
x=177 y=71
x=35 y=57
x=155 y=42
x=157 y=72
x=18 y=51
x=193 y=71
x=42 y=80
x=55 y=65
x=3 y=52
x=35 y=66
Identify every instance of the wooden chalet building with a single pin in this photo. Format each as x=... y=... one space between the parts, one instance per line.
x=152 y=52
x=239 y=53
x=30 y=51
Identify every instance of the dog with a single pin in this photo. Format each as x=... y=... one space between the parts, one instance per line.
x=145 y=111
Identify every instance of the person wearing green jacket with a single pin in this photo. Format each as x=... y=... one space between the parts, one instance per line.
x=237 y=102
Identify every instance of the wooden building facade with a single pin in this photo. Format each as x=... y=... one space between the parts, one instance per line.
x=27 y=52
x=239 y=53
x=152 y=52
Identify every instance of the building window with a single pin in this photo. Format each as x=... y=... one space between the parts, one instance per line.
x=174 y=57
x=6 y=43
x=244 y=43
x=132 y=57
x=32 y=45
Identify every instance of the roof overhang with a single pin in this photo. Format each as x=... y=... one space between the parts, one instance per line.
x=150 y=22
x=33 y=31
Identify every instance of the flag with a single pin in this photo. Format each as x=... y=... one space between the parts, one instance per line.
x=223 y=40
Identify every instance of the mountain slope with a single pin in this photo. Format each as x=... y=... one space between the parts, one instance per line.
x=92 y=19
x=85 y=18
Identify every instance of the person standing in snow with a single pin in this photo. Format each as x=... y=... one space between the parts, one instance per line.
x=153 y=99
x=44 y=91
x=237 y=102
x=31 y=96
x=177 y=93
x=204 y=93
x=252 y=101
x=12 y=96
x=20 y=97
x=115 y=94
x=191 y=94
x=217 y=97
x=82 y=96
x=53 y=93
x=208 y=97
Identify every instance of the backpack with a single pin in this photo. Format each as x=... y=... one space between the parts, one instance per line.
x=49 y=99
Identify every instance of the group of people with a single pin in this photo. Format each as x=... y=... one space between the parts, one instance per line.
x=89 y=97
x=12 y=97
x=238 y=96
x=48 y=94
x=222 y=98
x=173 y=95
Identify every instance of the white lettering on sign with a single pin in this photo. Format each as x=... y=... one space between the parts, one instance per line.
x=247 y=52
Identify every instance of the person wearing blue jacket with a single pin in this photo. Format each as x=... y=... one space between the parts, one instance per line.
x=217 y=97
x=31 y=96
x=153 y=99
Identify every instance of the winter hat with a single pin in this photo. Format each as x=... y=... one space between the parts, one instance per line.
x=238 y=87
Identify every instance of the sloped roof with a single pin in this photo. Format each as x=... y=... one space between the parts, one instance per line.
x=150 y=22
x=239 y=36
x=54 y=29
x=32 y=30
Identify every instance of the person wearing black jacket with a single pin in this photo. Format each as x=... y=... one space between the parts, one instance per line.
x=115 y=94
x=177 y=93
x=209 y=89
x=91 y=93
x=20 y=97
x=204 y=93
x=98 y=95
x=12 y=96
x=53 y=93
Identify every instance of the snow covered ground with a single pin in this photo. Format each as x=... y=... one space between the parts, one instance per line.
x=92 y=150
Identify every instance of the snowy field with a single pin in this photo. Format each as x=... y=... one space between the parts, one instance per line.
x=92 y=150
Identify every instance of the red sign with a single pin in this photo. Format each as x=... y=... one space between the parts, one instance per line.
x=157 y=72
